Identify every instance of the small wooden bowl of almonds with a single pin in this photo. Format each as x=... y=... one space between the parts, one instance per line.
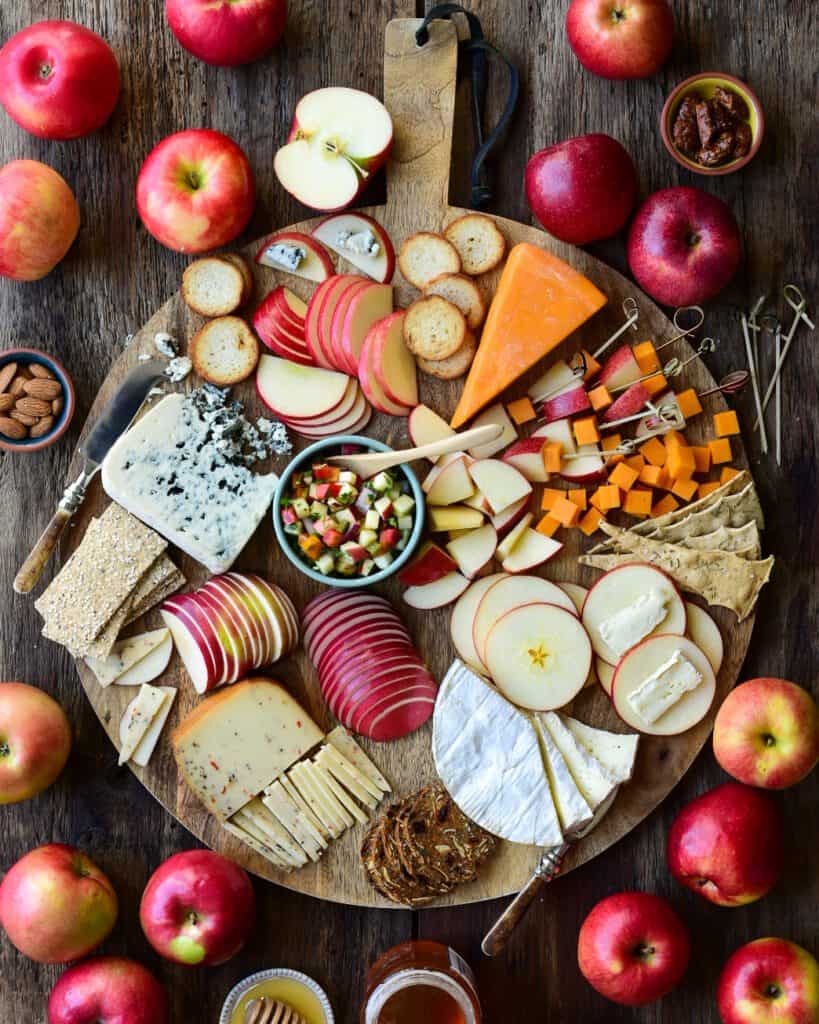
x=36 y=400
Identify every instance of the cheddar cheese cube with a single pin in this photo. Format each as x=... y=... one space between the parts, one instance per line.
x=550 y=496
x=653 y=476
x=653 y=451
x=585 y=430
x=565 y=512
x=548 y=525
x=707 y=488
x=638 y=502
x=590 y=522
x=552 y=456
x=592 y=366
x=654 y=385
x=689 y=403
x=685 y=489
x=728 y=473
x=675 y=438
x=608 y=497
x=609 y=442
x=623 y=476
x=680 y=463
x=636 y=462
x=664 y=506
x=726 y=423
x=521 y=411
x=646 y=356
x=702 y=458
x=720 y=451
x=579 y=498
x=600 y=397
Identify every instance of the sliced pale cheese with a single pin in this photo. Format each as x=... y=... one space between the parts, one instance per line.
x=150 y=667
x=539 y=301
x=273 y=832
x=255 y=844
x=664 y=688
x=125 y=655
x=572 y=808
x=488 y=756
x=633 y=623
x=137 y=719
x=147 y=745
x=241 y=739
x=305 y=808
x=592 y=779
x=323 y=811
x=290 y=817
x=341 y=794
x=349 y=776
x=346 y=745
x=615 y=751
x=318 y=779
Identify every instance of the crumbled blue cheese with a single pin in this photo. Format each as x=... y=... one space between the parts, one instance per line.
x=165 y=344
x=178 y=369
x=288 y=257
x=362 y=242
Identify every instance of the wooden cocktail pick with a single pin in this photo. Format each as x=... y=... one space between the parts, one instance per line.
x=271 y=1011
x=683 y=332
x=799 y=304
x=731 y=384
x=632 y=313
x=749 y=354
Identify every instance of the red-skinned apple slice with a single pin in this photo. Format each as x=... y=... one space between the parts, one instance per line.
x=393 y=363
x=430 y=564
x=348 y=235
x=558 y=377
x=451 y=484
x=326 y=602
x=318 y=632
x=227 y=633
x=509 y=518
x=576 y=593
x=620 y=369
x=605 y=674
x=501 y=484
x=463 y=615
x=283 y=331
x=310 y=259
x=354 y=421
x=426 y=426
x=353 y=626
x=644 y=660
x=332 y=342
x=526 y=456
x=629 y=403
x=329 y=290
x=326 y=317
x=382 y=716
x=640 y=585
x=531 y=550
x=369 y=383
x=706 y=634
x=538 y=655
x=560 y=432
x=339 y=137
x=341 y=649
x=440 y=466
x=348 y=685
x=437 y=594
x=508 y=544
x=498 y=415
x=196 y=647
x=208 y=628
x=292 y=306
x=342 y=411
x=295 y=392
x=566 y=403
x=367 y=308
x=474 y=550
x=244 y=625
x=291 y=616
x=587 y=469
x=280 y=616
x=255 y=612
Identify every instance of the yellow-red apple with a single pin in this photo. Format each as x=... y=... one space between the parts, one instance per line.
x=621 y=38
x=766 y=733
x=769 y=981
x=39 y=220
x=35 y=740
x=227 y=32
x=56 y=905
x=108 y=990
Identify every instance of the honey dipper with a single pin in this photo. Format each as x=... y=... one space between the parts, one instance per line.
x=271 y=1011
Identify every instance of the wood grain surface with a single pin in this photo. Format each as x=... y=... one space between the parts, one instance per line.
x=116 y=276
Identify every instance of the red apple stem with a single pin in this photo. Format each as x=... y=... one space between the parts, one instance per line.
x=632 y=314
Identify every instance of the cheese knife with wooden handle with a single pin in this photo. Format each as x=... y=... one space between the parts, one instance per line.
x=114 y=421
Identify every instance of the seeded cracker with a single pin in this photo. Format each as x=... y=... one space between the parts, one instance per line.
x=98 y=580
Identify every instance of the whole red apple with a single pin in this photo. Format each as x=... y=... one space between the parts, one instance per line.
x=195 y=191
x=766 y=733
x=108 y=990
x=621 y=38
x=56 y=905
x=58 y=80
x=769 y=981
x=727 y=845
x=227 y=32
x=35 y=740
x=633 y=948
x=39 y=220
x=684 y=246
x=582 y=189
x=198 y=908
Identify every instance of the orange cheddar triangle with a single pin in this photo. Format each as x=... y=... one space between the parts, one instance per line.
x=540 y=301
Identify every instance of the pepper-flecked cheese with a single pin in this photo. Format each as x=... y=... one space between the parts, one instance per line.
x=540 y=301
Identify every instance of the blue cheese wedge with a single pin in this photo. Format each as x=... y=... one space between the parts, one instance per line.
x=286 y=257
x=631 y=624
x=178 y=470
x=360 y=243
x=137 y=719
x=664 y=688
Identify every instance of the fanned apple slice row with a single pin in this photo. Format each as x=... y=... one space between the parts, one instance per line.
x=329 y=290
x=196 y=645
x=274 y=620
x=393 y=363
x=282 y=609
x=361 y=241
x=539 y=656
x=347 y=424
x=463 y=615
x=243 y=627
x=332 y=342
x=369 y=382
x=345 y=648
x=576 y=593
x=368 y=307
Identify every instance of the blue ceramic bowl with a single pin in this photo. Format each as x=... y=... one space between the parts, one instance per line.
x=25 y=357
x=323 y=449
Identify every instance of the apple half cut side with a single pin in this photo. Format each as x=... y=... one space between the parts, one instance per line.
x=338 y=139
x=361 y=241
x=437 y=594
x=293 y=252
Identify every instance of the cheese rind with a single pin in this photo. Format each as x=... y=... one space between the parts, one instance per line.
x=592 y=780
x=664 y=688
x=616 y=752
x=540 y=301
x=571 y=805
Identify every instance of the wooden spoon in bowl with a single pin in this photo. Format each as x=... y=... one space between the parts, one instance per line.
x=271 y=1011
x=375 y=462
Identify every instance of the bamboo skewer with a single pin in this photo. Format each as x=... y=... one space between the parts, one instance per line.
x=749 y=352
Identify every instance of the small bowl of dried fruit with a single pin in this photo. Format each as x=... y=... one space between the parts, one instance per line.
x=36 y=400
x=712 y=123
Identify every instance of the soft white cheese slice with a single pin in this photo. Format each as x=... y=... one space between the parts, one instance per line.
x=125 y=655
x=660 y=691
x=631 y=624
x=572 y=808
x=616 y=752
x=592 y=779
x=147 y=745
x=137 y=719
x=488 y=756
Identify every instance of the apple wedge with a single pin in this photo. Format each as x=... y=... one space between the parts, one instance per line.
x=507 y=545
x=620 y=369
x=338 y=139
x=369 y=382
x=586 y=469
x=538 y=655
x=463 y=615
x=451 y=485
x=426 y=427
x=558 y=377
x=632 y=401
x=566 y=403
x=299 y=392
x=501 y=484
x=454 y=517
x=393 y=363
x=663 y=686
x=494 y=414
x=531 y=550
x=504 y=521
x=437 y=594
x=474 y=550
x=430 y=564
x=361 y=241
x=293 y=252
x=526 y=456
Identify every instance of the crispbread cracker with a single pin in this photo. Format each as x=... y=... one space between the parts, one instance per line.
x=160 y=581
x=739 y=539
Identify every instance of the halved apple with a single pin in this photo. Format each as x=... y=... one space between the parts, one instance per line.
x=531 y=550
x=338 y=139
x=393 y=363
x=463 y=615
x=426 y=427
x=437 y=594
x=451 y=485
x=500 y=483
x=430 y=564
x=474 y=550
x=361 y=241
x=526 y=456
x=538 y=655
x=297 y=392
x=293 y=252
x=496 y=414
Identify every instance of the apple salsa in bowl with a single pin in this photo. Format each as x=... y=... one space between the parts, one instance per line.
x=340 y=528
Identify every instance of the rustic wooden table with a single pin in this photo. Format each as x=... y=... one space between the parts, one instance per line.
x=115 y=277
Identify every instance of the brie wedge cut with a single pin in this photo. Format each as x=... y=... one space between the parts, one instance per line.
x=572 y=808
x=488 y=757
x=137 y=719
x=631 y=624
x=147 y=745
x=616 y=752
x=126 y=655
x=664 y=688
x=592 y=779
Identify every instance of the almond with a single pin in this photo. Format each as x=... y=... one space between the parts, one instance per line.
x=11 y=428
x=17 y=385
x=43 y=427
x=6 y=402
x=40 y=387
x=7 y=375
x=23 y=417
x=57 y=406
x=33 y=406
x=38 y=370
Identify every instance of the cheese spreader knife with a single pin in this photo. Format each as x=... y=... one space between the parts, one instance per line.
x=114 y=421
x=548 y=868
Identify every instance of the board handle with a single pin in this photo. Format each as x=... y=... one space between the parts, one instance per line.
x=419 y=92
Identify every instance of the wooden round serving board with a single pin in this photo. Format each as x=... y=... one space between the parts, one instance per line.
x=419 y=86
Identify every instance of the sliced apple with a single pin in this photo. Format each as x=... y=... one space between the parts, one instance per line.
x=509 y=517
x=605 y=674
x=532 y=549
x=566 y=403
x=474 y=550
x=293 y=252
x=706 y=635
x=451 y=485
x=292 y=391
x=437 y=594
x=507 y=545
x=430 y=564
x=342 y=410
x=463 y=615
x=620 y=369
x=291 y=304
x=278 y=334
x=355 y=419
x=500 y=483
x=426 y=427
x=369 y=382
x=576 y=593
x=366 y=309
x=628 y=604
x=632 y=401
x=339 y=137
x=538 y=655
x=454 y=517
x=586 y=469
x=558 y=377
x=361 y=241
x=674 y=708
x=393 y=363
x=320 y=309
x=526 y=456
x=559 y=432
x=494 y=414
x=332 y=341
